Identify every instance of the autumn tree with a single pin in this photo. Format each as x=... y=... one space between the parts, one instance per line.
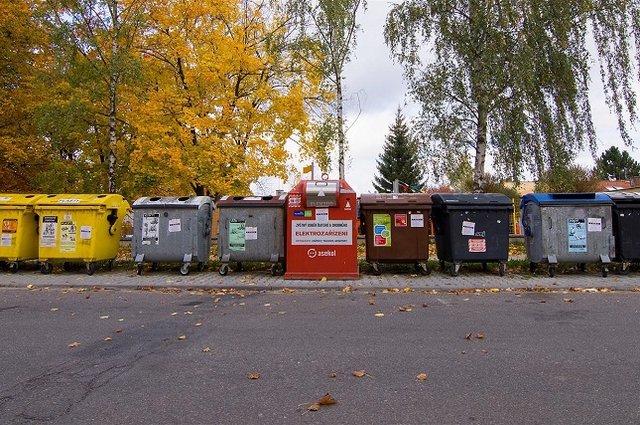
x=399 y=159
x=23 y=52
x=333 y=27
x=84 y=118
x=224 y=92
x=512 y=77
x=616 y=165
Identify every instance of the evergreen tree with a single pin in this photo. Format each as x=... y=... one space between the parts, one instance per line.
x=399 y=159
x=616 y=165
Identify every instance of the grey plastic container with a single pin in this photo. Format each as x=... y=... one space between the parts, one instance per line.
x=172 y=229
x=251 y=229
x=568 y=228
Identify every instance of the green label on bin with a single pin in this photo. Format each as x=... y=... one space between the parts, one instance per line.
x=237 y=235
x=577 y=234
x=382 y=230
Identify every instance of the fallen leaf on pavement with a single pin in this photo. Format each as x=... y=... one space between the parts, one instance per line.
x=567 y=300
x=206 y=349
x=253 y=375
x=406 y=308
x=333 y=375
x=216 y=300
x=347 y=289
x=108 y=339
x=288 y=290
x=198 y=324
x=327 y=400
x=182 y=337
x=422 y=377
x=372 y=302
x=54 y=309
x=30 y=286
x=359 y=373
x=379 y=314
x=74 y=345
x=425 y=305
x=175 y=313
x=118 y=331
x=314 y=407
x=104 y=317
x=188 y=313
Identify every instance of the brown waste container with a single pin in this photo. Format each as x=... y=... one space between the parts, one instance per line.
x=396 y=228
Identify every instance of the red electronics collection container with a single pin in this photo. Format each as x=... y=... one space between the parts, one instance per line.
x=321 y=231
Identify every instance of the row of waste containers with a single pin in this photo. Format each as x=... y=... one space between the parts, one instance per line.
x=575 y=228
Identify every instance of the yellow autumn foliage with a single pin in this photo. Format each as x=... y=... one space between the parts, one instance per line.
x=224 y=92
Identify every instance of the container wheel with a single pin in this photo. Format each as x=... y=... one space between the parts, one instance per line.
x=200 y=266
x=484 y=266
x=582 y=267
x=377 y=271
x=533 y=267
x=224 y=269
x=110 y=265
x=502 y=269
x=423 y=269
x=275 y=269
x=139 y=269
x=154 y=266
x=552 y=270
x=605 y=270
x=13 y=267
x=238 y=266
x=454 y=270
x=184 y=269
x=91 y=268
x=442 y=264
x=66 y=266
x=46 y=268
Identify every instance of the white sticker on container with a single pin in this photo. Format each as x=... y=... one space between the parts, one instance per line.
x=150 y=229
x=594 y=224
x=49 y=231
x=6 y=239
x=67 y=236
x=250 y=233
x=69 y=201
x=477 y=245
x=322 y=214
x=5 y=198
x=417 y=220
x=85 y=232
x=468 y=228
x=175 y=225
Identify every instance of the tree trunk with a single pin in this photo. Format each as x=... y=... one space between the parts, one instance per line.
x=113 y=101
x=341 y=141
x=481 y=149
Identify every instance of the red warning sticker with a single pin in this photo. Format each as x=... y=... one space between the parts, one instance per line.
x=477 y=245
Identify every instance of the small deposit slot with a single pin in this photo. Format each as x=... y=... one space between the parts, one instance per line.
x=322 y=194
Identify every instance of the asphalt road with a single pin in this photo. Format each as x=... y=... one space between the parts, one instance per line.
x=532 y=357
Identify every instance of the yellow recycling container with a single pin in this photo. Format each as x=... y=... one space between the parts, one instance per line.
x=79 y=228
x=19 y=237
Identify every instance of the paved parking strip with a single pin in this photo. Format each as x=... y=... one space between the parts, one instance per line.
x=263 y=280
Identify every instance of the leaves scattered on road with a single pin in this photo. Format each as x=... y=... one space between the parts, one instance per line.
x=422 y=377
x=75 y=344
x=325 y=400
x=379 y=314
x=253 y=375
x=406 y=308
x=360 y=373
x=182 y=337
x=470 y=336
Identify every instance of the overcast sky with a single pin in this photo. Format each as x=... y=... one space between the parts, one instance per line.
x=374 y=88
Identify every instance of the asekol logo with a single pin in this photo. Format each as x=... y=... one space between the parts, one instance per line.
x=312 y=253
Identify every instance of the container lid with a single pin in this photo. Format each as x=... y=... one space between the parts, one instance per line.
x=251 y=201
x=624 y=197
x=395 y=199
x=566 y=199
x=108 y=200
x=18 y=199
x=466 y=200
x=154 y=202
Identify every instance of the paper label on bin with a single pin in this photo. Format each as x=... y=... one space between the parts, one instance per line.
x=69 y=201
x=85 y=232
x=468 y=228
x=417 y=220
x=322 y=214
x=237 y=235
x=477 y=245
x=151 y=229
x=594 y=224
x=7 y=239
x=381 y=230
x=9 y=225
x=400 y=220
x=577 y=234
x=175 y=225
x=5 y=198
x=67 y=237
x=49 y=231
x=250 y=233
x=313 y=232
x=295 y=201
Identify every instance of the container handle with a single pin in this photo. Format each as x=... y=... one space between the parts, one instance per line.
x=112 y=219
